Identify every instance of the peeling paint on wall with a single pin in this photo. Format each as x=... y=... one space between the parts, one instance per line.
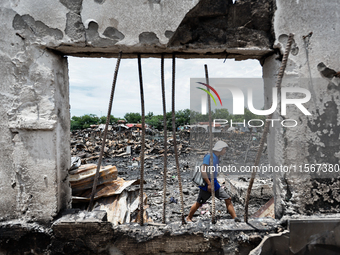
x=37 y=27
x=327 y=130
x=324 y=196
x=148 y=38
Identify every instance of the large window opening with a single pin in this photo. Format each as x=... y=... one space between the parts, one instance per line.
x=90 y=86
x=91 y=80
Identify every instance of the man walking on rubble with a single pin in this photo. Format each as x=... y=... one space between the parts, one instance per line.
x=219 y=149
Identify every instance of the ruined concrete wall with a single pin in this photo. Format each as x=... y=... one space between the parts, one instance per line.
x=34 y=88
x=312 y=65
x=89 y=233
x=35 y=121
x=35 y=117
x=103 y=28
x=242 y=30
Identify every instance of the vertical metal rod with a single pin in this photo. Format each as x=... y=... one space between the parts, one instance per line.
x=249 y=143
x=211 y=163
x=310 y=84
x=105 y=132
x=165 y=139
x=266 y=127
x=141 y=203
x=174 y=136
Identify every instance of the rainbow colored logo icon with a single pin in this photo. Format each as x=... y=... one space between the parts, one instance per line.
x=213 y=90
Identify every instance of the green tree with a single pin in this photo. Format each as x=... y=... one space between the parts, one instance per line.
x=196 y=117
x=89 y=119
x=84 y=121
x=133 y=117
x=149 y=115
x=248 y=115
x=221 y=114
x=102 y=120
x=182 y=117
x=169 y=120
x=156 y=122
x=76 y=123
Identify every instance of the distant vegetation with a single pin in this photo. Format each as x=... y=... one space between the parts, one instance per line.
x=87 y=120
x=183 y=117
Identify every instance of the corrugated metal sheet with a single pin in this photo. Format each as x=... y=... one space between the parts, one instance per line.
x=122 y=208
x=111 y=195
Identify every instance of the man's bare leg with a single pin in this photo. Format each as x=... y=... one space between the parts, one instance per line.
x=230 y=208
x=193 y=209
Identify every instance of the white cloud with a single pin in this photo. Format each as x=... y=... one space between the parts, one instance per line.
x=91 y=81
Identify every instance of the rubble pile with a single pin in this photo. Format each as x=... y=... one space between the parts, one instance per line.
x=122 y=151
x=86 y=145
x=243 y=146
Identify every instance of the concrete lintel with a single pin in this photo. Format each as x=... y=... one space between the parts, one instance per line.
x=222 y=52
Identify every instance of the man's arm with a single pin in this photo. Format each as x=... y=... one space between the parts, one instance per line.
x=205 y=176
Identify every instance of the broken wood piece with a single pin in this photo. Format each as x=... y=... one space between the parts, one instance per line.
x=266 y=211
x=123 y=154
x=82 y=168
x=90 y=172
x=84 y=180
x=114 y=187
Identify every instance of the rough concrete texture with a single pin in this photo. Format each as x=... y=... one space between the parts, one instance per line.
x=312 y=65
x=87 y=233
x=34 y=124
x=79 y=27
x=242 y=30
x=34 y=87
x=204 y=28
x=273 y=244
x=275 y=140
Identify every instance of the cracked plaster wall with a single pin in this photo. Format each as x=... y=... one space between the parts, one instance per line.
x=316 y=137
x=35 y=120
x=34 y=88
x=103 y=28
x=34 y=125
x=77 y=27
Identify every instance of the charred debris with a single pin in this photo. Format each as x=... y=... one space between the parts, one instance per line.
x=119 y=176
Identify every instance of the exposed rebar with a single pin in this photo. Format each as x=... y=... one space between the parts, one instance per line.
x=306 y=40
x=165 y=139
x=211 y=163
x=174 y=137
x=266 y=127
x=141 y=203
x=249 y=143
x=94 y=187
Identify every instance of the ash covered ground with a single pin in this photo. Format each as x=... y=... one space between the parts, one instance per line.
x=192 y=148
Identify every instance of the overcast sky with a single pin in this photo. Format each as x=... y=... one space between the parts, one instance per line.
x=91 y=81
